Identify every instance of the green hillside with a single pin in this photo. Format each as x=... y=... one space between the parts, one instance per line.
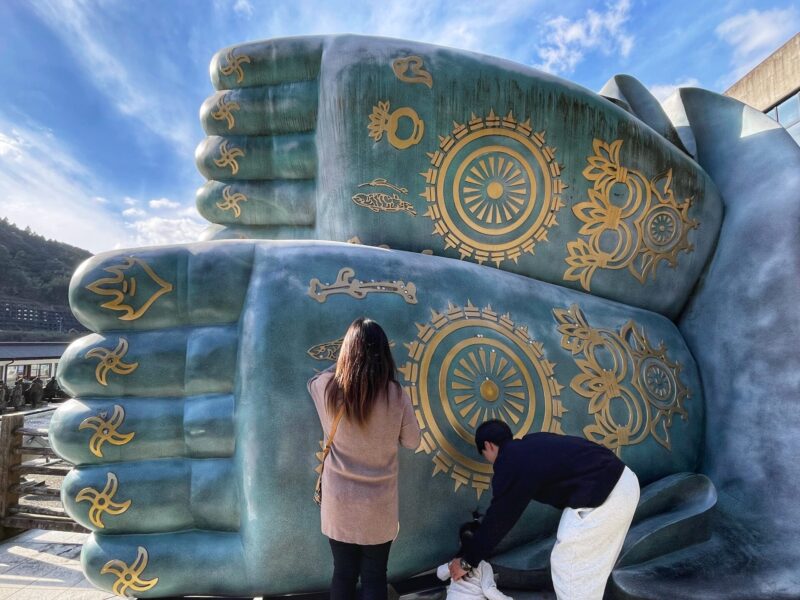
x=34 y=284
x=35 y=268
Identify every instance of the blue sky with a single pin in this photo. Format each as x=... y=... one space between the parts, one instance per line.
x=99 y=98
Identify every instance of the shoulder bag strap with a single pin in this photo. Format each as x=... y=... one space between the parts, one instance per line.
x=335 y=425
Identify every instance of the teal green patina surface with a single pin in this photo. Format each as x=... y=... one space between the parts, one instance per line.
x=420 y=147
x=211 y=437
x=192 y=434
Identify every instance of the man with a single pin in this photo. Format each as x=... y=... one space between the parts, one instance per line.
x=593 y=487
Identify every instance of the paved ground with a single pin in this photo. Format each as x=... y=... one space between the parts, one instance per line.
x=45 y=565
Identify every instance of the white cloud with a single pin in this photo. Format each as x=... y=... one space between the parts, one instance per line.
x=178 y=225
x=133 y=212
x=163 y=203
x=662 y=91
x=566 y=41
x=44 y=187
x=755 y=34
x=142 y=90
x=157 y=231
x=189 y=211
x=465 y=25
x=9 y=145
x=243 y=7
x=479 y=25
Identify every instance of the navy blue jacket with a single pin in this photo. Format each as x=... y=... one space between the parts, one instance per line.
x=559 y=470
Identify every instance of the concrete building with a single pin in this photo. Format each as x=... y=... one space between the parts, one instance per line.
x=773 y=86
x=27 y=315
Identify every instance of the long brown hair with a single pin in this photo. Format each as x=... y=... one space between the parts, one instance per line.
x=365 y=368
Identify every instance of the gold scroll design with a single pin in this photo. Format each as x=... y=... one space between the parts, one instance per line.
x=470 y=364
x=105 y=430
x=225 y=110
x=621 y=374
x=123 y=286
x=103 y=501
x=382 y=120
x=381 y=201
x=648 y=226
x=234 y=65
x=411 y=69
x=356 y=240
x=492 y=208
x=228 y=156
x=346 y=284
x=231 y=201
x=111 y=360
x=329 y=350
x=326 y=350
x=130 y=577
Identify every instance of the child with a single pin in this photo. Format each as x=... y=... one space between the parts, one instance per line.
x=479 y=582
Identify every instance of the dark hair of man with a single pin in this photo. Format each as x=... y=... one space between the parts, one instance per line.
x=493 y=431
x=466 y=532
x=364 y=369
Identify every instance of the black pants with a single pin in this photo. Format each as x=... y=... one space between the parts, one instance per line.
x=351 y=561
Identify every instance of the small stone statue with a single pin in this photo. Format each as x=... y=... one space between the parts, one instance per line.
x=51 y=389
x=35 y=392
x=17 y=395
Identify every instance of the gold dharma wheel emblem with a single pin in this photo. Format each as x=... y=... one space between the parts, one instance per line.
x=494 y=189
x=469 y=365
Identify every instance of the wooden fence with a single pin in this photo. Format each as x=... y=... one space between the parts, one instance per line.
x=24 y=455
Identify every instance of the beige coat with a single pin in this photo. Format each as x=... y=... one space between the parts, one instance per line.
x=359 y=483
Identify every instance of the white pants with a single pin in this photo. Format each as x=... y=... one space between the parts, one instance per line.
x=589 y=541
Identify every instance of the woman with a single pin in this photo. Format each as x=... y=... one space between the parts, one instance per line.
x=359 y=482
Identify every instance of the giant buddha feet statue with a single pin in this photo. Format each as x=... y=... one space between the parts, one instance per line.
x=548 y=256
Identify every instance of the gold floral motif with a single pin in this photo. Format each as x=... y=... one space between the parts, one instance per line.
x=320 y=456
x=346 y=284
x=382 y=121
x=235 y=65
x=231 y=201
x=622 y=375
x=493 y=189
x=129 y=578
x=102 y=502
x=411 y=69
x=123 y=287
x=111 y=360
x=228 y=156
x=629 y=221
x=468 y=365
x=106 y=430
x=224 y=111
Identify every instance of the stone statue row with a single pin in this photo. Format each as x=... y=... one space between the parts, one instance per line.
x=32 y=392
